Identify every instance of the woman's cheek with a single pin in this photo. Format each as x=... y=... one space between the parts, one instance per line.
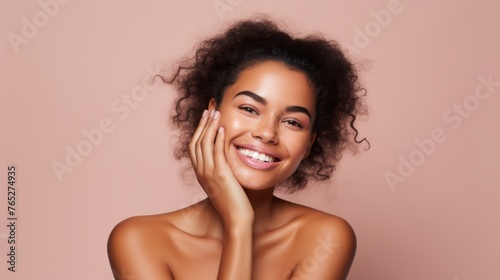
x=231 y=124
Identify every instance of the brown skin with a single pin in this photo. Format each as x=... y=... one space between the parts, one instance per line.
x=242 y=231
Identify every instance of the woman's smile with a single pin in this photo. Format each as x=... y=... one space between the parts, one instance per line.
x=256 y=155
x=257 y=160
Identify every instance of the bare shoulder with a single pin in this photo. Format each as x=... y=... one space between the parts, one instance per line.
x=133 y=228
x=313 y=221
x=325 y=243
x=137 y=246
x=157 y=228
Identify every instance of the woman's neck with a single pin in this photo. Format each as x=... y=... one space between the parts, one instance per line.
x=263 y=203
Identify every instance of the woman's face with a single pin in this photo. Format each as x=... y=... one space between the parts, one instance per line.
x=267 y=114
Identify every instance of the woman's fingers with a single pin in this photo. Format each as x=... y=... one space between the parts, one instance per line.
x=202 y=144
x=219 y=156
x=221 y=166
x=204 y=149
x=207 y=141
x=198 y=132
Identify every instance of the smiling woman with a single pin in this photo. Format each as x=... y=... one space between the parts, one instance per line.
x=258 y=110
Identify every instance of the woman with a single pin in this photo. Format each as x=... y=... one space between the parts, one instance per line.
x=258 y=110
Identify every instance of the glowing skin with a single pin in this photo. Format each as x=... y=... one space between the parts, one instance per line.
x=257 y=139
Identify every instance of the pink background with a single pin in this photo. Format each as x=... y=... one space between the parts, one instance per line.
x=68 y=72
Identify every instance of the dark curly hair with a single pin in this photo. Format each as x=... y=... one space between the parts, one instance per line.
x=218 y=61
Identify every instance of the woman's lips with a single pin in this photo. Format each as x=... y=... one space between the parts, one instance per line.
x=256 y=160
x=256 y=155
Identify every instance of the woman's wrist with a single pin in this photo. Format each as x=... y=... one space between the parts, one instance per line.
x=238 y=228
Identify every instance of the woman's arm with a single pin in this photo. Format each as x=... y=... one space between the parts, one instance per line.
x=236 y=259
x=226 y=195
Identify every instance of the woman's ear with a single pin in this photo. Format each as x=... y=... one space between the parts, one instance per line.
x=212 y=104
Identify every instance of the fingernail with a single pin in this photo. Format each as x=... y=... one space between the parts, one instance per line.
x=211 y=113
x=216 y=114
x=204 y=113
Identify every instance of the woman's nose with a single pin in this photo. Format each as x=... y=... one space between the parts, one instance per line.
x=266 y=131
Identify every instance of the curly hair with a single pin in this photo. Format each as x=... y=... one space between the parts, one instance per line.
x=219 y=60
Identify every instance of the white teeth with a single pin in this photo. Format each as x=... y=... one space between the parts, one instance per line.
x=256 y=155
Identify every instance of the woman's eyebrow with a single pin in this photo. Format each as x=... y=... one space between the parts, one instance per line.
x=252 y=95
x=298 y=109
x=263 y=101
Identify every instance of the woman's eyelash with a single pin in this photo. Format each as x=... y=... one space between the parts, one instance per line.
x=248 y=109
x=294 y=123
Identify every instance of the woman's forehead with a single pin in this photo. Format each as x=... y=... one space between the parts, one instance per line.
x=275 y=81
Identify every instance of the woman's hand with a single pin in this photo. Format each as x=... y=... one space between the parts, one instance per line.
x=206 y=150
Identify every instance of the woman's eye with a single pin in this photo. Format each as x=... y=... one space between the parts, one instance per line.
x=248 y=109
x=294 y=123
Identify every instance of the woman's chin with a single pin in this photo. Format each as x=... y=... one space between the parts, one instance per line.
x=253 y=184
x=251 y=180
